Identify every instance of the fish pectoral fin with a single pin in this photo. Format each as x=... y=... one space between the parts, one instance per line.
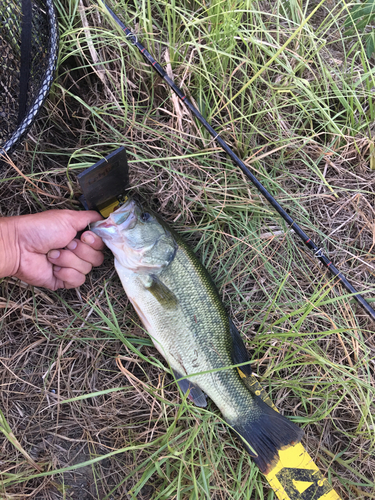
x=160 y=291
x=196 y=394
x=239 y=352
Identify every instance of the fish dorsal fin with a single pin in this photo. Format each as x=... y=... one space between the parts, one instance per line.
x=239 y=352
x=196 y=394
x=160 y=291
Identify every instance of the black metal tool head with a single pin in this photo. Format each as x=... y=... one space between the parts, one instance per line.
x=104 y=184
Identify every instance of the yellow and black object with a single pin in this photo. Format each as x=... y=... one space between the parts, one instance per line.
x=295 y=476
x=104 y=184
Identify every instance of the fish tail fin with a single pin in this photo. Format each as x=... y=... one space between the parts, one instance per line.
x=266 y=434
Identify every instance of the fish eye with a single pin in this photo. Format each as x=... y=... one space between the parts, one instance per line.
x=145 y=216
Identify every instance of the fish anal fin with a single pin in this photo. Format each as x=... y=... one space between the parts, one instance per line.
x=239 y=352
x=196 y=395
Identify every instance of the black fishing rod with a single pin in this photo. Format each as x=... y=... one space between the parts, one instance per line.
x=317 y=252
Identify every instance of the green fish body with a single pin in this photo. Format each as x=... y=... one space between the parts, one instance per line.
x=180 y=308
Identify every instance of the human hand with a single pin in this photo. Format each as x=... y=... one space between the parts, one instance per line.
x=41 y=249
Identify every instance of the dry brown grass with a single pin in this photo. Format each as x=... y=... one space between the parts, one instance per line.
x=318 y=363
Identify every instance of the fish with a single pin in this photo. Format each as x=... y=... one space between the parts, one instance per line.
x=180 y=307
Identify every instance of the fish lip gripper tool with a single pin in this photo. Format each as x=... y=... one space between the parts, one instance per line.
x=104 y=184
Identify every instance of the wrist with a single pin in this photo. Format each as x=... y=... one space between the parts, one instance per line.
x=9 y=251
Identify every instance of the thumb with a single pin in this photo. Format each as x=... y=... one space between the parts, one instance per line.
x=82 y=219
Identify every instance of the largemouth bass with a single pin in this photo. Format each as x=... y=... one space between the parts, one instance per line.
x=180 y=308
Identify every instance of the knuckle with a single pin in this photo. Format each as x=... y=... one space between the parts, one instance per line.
x=81 y=280
x=84 y=266
x=88 y=268
x=75 y=280
x=99 y=259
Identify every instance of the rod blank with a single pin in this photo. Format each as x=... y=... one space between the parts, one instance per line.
x=317 y=252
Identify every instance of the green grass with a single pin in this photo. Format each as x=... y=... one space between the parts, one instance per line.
x=291 y=91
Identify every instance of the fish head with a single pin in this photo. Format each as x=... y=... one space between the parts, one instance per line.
x=139 y=241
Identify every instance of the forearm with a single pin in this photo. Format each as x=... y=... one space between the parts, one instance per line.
x=9 y=251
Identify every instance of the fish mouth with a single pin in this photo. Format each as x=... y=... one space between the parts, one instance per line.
x=123 y=218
